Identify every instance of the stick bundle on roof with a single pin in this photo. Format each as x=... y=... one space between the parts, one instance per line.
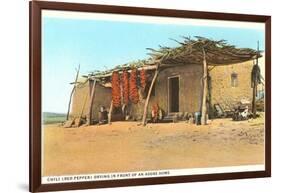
x=190 y=51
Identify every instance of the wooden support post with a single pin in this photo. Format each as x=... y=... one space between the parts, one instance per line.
x=255 y=79
x=254 y=106
x=110 y=112
x=149 y=94
x=90 y=113
x=205 y=90
x=72 y=91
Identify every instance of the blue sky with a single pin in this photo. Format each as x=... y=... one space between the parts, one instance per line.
x=100 y=45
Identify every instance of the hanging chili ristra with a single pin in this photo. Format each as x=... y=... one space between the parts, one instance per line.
x=125 y=85
x=134 y=94
x=116 y=95
x=143 y=78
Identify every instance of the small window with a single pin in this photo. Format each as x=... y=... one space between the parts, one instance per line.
x=234 y=79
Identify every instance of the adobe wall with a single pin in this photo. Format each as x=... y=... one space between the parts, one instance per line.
x=82 y=96
x=223 y=92
x=79 y=98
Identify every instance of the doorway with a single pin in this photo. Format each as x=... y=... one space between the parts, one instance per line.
x=173 y=94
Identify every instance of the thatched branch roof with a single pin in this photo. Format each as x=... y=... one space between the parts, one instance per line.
x=189 y=51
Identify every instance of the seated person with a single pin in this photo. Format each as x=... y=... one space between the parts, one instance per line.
x=103 y=117
x=156 y=113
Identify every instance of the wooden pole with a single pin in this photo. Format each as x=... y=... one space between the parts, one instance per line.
x=254 y=105
x=90 y=114
x=149 y=94
x=110 y=112
x=205 y=90
x=72 y=91
x=254 y=109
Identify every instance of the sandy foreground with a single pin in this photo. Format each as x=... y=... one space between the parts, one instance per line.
x=127 y=146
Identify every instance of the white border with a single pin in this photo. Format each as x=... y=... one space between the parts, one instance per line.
x=150 y=19
x=148 y=174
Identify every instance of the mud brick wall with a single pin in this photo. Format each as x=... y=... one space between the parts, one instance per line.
x=82 y=94
x=221 y=89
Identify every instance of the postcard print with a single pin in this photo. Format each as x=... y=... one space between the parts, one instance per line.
x=139 y=96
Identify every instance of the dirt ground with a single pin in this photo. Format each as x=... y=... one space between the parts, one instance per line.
x=127 y=146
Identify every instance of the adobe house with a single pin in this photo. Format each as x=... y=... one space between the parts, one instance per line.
x=185 y=79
